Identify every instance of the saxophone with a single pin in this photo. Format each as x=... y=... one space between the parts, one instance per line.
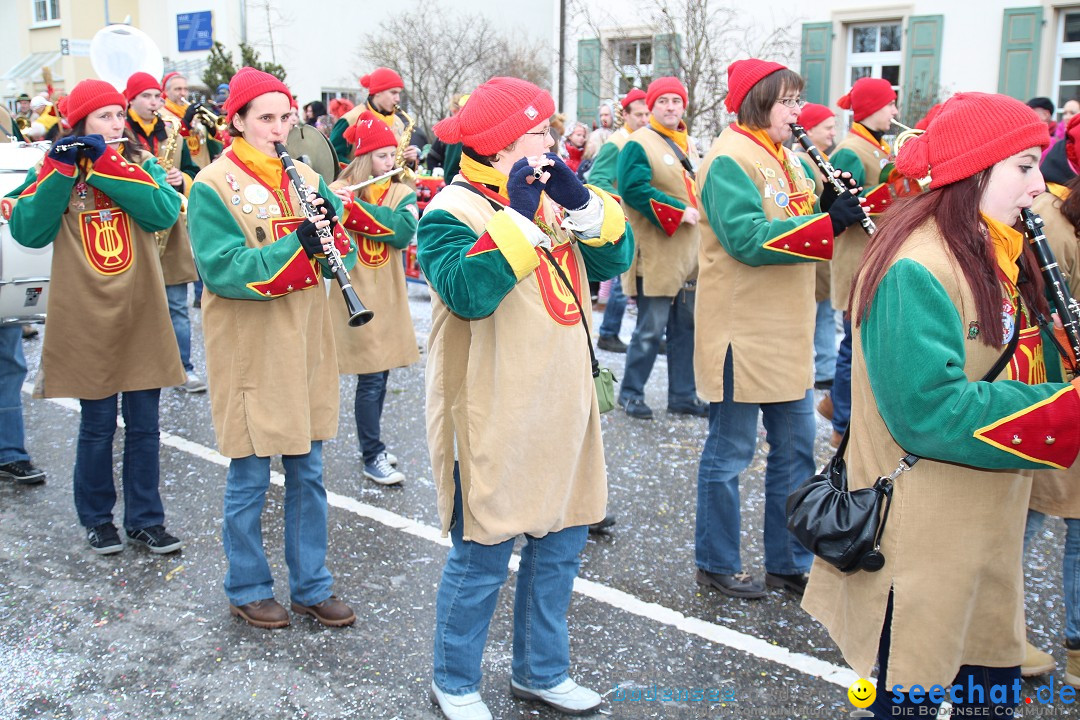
x=166 y=162
x=403 y=144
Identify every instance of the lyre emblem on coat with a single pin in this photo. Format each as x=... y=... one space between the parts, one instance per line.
x=558 y=300
x=372 y=253
x=106 y=239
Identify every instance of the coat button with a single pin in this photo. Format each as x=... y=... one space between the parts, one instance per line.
x=289 y=288
x=807 y=244
x=1050 y=439
x=269 y=294
x=308 y=281
x=786 y=246
x=1016 y=440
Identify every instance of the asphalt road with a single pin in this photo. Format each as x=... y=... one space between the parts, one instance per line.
x=139 y=636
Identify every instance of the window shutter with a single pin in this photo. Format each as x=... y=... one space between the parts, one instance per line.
x=1018 y=70
x=588 y=79
x=816 y=60
x=666 y=55
x=922 y=66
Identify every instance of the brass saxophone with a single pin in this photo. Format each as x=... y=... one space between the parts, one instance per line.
x=166 y=161
x=403 y=144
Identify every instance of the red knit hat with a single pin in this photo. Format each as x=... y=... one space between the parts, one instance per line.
x=1072 y=137
x=369 y=133
x=663 y=86
x=928 y=118
x=743 y=75
x=339 y=106
x=169 y=76
x=248 y=84
x=138 y=83
x=634 y=95
x=813 y=115
x=972 y=132
x=88 y=96
x=497 y=114
x=867 y=96
x=381 y=79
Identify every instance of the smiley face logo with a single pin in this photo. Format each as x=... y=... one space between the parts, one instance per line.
x=861 y=693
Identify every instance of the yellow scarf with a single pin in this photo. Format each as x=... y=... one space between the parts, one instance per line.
x=375 y=191
x=478 y=172
x=387 y=118
x=678 y=135
x=266 y=167
x=175 y=109
x=147 y=127
x=1008 y=244
x=762 y=136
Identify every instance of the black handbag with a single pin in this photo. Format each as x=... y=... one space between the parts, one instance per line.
x=843 y=527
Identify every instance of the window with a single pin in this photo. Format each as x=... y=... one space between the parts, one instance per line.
x=46 y=10
x=633 y=64
x=1067 y=66
x=874 y=51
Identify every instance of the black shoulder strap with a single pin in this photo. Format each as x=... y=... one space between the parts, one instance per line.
x=685 y=161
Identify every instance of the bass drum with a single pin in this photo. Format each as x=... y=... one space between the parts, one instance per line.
x=308 y=145
x=24 y=272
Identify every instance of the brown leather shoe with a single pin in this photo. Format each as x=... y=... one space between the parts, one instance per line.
x=825 y=408
x=267 y=614
x=331 y=612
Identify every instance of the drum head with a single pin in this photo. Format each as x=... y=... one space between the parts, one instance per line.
x=308 y=145
x=119 y=51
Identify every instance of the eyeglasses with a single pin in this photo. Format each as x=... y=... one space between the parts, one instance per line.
x=538 y=132
x=792 y=102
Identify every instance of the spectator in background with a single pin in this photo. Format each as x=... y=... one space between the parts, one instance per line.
x=574 y=146
x=313 y=111
x=600 y=135
x=1044 y=108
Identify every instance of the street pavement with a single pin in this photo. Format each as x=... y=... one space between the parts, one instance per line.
x=135 y=635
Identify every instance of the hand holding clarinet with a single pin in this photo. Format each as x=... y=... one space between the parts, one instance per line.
x=844 y=208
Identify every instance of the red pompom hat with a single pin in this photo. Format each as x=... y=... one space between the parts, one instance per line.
x=381 y=79
x=743 y=75
x=972 y=132
x=813 y=115
x=663 y=86
x=248 y=84
x=925 y=120
x=169 y=76
x=867 y=96
x=634 y=95
x=88 y=96
x=138 y=83
x=498 y=112
x=370 y=133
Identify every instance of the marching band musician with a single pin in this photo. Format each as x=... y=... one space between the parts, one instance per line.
x=159 y=133
x=381 y=219
x=203 y=146
x=270 y=351
x=761 y=238
x=109 y=334
x=513 y=420
x=384 y=88
x=9 y=128
x=862 y=153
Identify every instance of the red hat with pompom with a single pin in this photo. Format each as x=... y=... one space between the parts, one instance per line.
x=867 y=96
x=369 y=133
x=813 y=115
x=634 y=95
x=248 y=84
x=498 y=112
x=381 y=79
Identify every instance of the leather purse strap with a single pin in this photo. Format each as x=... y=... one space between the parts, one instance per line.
x=683 y=160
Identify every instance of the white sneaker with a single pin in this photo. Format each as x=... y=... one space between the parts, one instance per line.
x=460 y=707
x=567 y=697
x=391 y=458
x=381 y=471
x=193 y=384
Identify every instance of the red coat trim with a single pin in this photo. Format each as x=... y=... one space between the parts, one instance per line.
x=668 y=216
x=813 y=239
x=482 y=245
x=1044 y=432
x=299 y=273
x=360 y=220
x=878 y=199
x=112 y=165
x=48 y=167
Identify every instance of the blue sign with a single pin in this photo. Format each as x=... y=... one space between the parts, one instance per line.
x=195 y=31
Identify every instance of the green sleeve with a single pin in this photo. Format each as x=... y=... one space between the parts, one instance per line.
x=400 y=220
x=36 y=218
x=337 y=139
x=846 y=160
x=914 y=347
x=472 y=284
x=731 y=202
x=605 y=167
x=451 y=161
x=152 y=207
x=187 y=165
x=634 y=174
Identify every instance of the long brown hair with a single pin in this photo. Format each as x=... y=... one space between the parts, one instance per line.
x=955 y=209
x=1070 y=206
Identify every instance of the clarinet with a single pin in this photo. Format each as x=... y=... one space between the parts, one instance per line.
x=358 y=314
x=1065 y=304
x=827 y=170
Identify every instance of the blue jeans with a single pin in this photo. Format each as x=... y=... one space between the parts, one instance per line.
x=613 y=313
x=370 y=396
x=469 y=590
x=825 y=342
x=976 y=679
x=12 y=375
x=248 y=578
x=841 y=389
x=655 y=314
x=198 y=286
x=95 y=491
x=181 y=324
x=1070 y=567
x=729 y=449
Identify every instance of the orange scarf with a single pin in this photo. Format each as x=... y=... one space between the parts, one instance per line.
x=1008 y=244
x=678 y=135
x=266 y=167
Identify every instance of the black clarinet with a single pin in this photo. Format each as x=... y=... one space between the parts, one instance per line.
x=1065 y=304
x=358 y=314
x=827 y=170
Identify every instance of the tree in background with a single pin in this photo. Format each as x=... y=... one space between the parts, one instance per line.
x=221 y=67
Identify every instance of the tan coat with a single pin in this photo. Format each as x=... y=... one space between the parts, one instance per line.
x=271 y=364
x=523 y=423
x=388 y=340
x=177 y=262
x=953 y=544
x=753 y=310
x=663 y=263
x=851 y=244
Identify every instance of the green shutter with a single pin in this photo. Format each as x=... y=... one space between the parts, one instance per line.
x=1018 y=71
x=922 y=66
x=816 y=58
x=588 y=78
x=666 y=55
